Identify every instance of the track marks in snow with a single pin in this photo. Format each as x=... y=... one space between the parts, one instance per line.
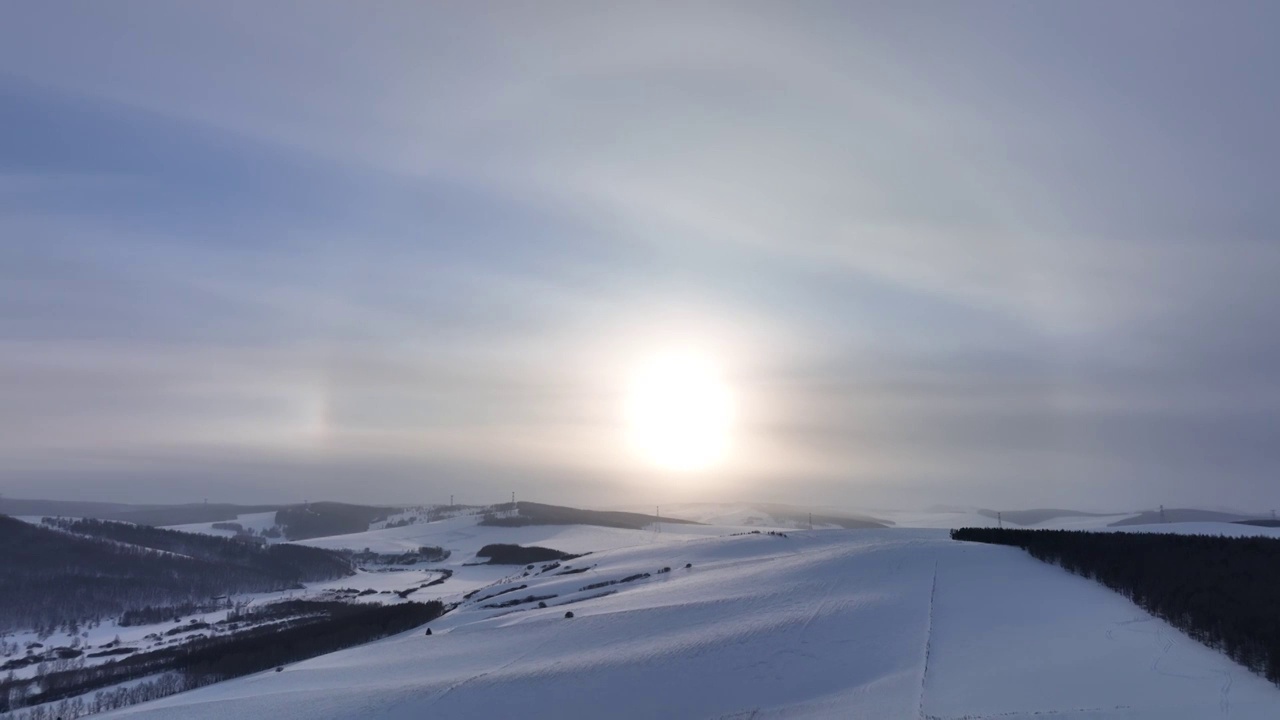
x=928 y=635
x=1224 y=693
x=1124 y=624
x=1165 y=640
x=532 y=652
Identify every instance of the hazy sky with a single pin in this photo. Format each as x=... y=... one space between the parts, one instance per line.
x=1000 y=253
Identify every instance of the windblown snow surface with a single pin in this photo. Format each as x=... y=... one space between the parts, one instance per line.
x=877 y=624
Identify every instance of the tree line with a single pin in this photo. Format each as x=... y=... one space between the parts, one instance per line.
x=1222 y=591
x=425 y=553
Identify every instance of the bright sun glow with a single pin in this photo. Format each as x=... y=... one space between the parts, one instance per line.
x=679 y=412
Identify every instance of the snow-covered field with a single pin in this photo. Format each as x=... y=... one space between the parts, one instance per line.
x=878 y=624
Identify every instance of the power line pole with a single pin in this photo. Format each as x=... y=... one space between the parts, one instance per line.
x=450 y=501
x=657 y=513
x=999 y=520
x=1162 y=514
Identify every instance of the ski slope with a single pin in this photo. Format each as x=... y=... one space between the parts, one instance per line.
x=875 y=624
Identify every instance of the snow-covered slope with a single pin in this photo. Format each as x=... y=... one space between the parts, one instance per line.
x=1200 y=528
x=879 y=624
x=1081 y=522
x=252 y=521
x=463 y=536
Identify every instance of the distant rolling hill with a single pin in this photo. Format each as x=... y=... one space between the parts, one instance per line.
x=1268 y=523
x=311 y=520
x=154 y=515
x=772 y=515
x=1180 y=515
x=66 y=508
x=798 y=517
x=1148 y=517
x=531 y=513
x=1038 y=515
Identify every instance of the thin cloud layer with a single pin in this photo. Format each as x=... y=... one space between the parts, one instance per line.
x=979 y=253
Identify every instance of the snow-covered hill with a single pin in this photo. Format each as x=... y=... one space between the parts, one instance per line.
x=1199 y=528
x=879 y=624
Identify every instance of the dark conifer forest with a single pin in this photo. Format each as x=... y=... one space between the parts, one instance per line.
x=76 y=571
x=1222 y=591
x=323 y=519
x=287 y=563
x=504 y=554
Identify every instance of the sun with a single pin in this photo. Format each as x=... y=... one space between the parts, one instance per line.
x=679 y=411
